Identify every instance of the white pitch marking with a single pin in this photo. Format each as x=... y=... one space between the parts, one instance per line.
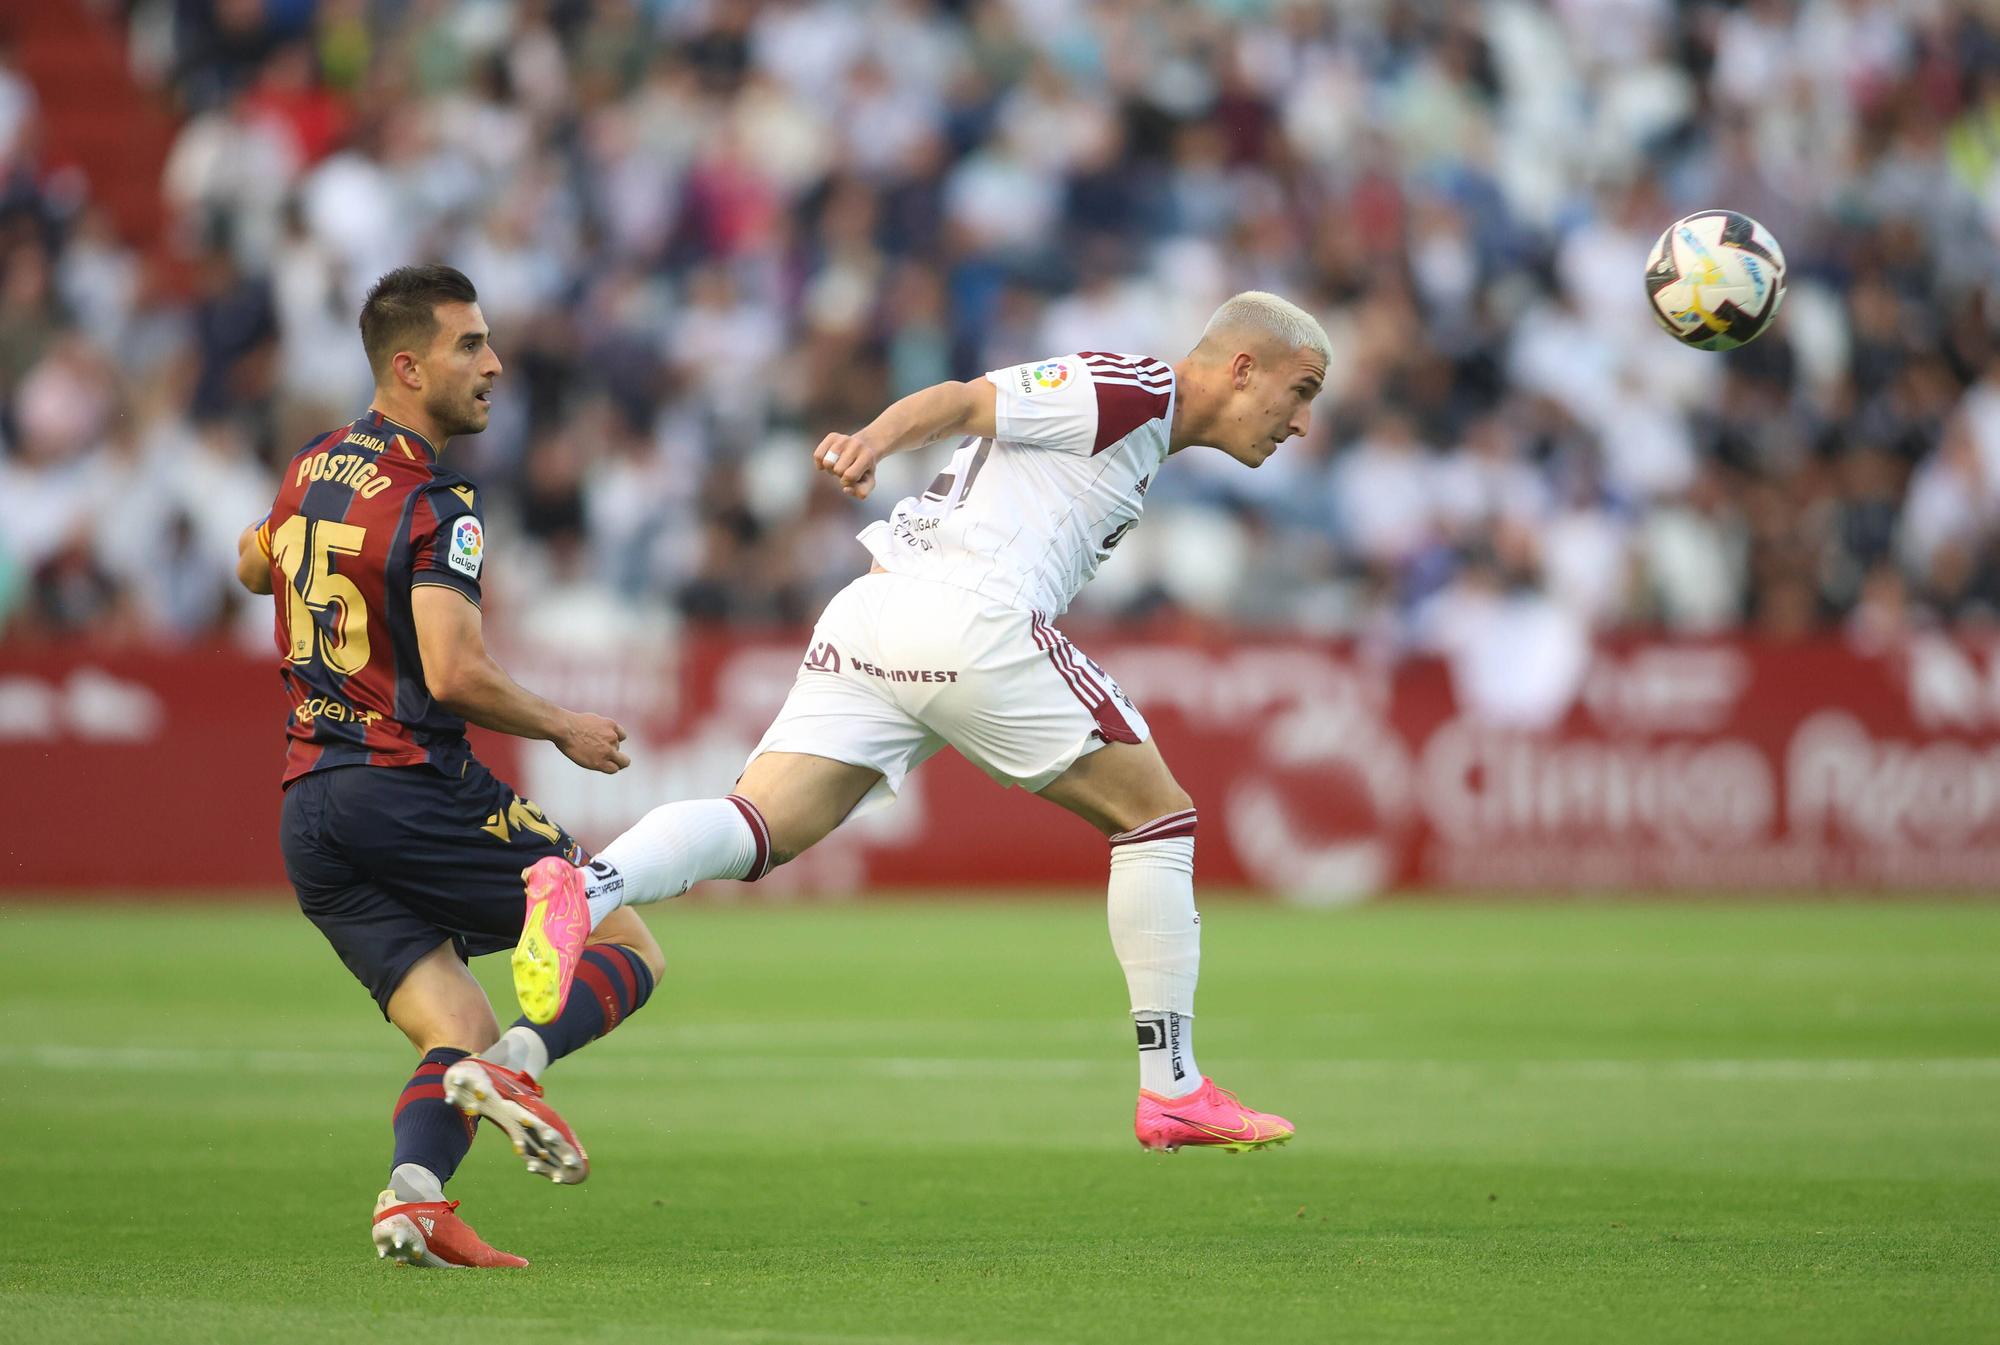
x=696 y=1064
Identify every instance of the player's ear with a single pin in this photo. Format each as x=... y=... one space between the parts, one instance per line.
x=1240 y=369
x=407 y=371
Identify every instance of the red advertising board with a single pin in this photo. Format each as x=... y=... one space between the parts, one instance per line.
x=1726 y=766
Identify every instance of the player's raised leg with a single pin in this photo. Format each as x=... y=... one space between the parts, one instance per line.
x=619 y=966
x=661 y=856
x=784 y=804
x=1126 y=791
x=442 y=1010
x=839 y=744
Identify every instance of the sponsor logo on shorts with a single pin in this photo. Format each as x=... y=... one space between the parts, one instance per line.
x=523 y=815
x=905 y=674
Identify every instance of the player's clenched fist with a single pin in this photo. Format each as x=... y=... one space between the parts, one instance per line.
x=591 y=741
x=852 y=459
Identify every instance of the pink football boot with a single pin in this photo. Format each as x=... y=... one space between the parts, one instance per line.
x=1208 y=1116
x=553 y=932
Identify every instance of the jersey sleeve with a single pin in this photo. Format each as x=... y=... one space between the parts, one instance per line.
x=447 y=539
x=1082 y=403
x=1048 y=404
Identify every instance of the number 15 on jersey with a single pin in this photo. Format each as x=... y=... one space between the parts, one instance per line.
x=326 y=614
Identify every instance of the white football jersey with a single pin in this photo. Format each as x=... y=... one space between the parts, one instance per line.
x=1026 y=517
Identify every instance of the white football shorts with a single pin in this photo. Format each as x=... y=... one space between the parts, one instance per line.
x=899 y=667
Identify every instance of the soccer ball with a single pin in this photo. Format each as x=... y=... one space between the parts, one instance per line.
x=1715 y=279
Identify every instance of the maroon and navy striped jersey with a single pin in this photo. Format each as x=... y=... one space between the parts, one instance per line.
x=363 y=516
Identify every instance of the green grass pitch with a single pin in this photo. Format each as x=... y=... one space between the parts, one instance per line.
x=911 y=1122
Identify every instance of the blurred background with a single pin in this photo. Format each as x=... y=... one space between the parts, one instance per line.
x=1536 y=572
x=1547 y=611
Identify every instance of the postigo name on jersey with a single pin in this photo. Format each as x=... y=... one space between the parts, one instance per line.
x=343 y=469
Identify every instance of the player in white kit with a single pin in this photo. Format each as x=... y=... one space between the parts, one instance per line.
x=949 y=639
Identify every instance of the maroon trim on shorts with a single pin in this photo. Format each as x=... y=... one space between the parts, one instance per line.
x=1111 y=725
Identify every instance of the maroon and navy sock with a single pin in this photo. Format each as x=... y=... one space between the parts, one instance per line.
x=430 y=1132
x=612 y=982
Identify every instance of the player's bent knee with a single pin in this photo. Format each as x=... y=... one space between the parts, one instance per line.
x=649 y=953
x=624 y=928
x=1130 y=803
x=1150 y=793
x=1173 y=800
x=438 y=1004
x=469 y=1032
x=799 y=799
x=1140 y=812
x=472 y=1043
x=792 y=832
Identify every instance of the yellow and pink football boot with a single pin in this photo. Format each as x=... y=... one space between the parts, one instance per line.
x=553 y=932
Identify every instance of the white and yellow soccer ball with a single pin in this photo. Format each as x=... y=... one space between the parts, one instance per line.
x=1715 y=279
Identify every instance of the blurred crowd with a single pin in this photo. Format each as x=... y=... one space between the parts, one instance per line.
x=706 y=232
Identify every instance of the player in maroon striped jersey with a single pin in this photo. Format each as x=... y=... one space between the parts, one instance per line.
x=403 y=848
x=949 y=639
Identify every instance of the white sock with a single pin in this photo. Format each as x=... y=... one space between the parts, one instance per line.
x=603 y=888
x=1166 y=1054
x=415 y=1184
x=519 y=1048
x=676 y=846
x=1156 y=933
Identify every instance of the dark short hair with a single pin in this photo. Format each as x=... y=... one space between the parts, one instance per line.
x=400 y=312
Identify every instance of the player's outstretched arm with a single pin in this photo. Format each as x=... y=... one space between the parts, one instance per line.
x=938 y=412
x=253 y=559
x=464 y=679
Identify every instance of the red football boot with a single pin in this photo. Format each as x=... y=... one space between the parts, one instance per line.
x=513 y=1101
x=430 y=1233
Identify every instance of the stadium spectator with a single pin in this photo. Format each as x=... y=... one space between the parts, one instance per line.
x=712 y=229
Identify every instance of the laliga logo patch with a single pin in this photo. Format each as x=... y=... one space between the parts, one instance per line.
x=1049 y=376
x=468 y=547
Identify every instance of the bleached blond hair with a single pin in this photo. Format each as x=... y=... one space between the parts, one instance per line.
x=1266 y=314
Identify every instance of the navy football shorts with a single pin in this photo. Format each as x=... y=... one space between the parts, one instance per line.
x=391 y=861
